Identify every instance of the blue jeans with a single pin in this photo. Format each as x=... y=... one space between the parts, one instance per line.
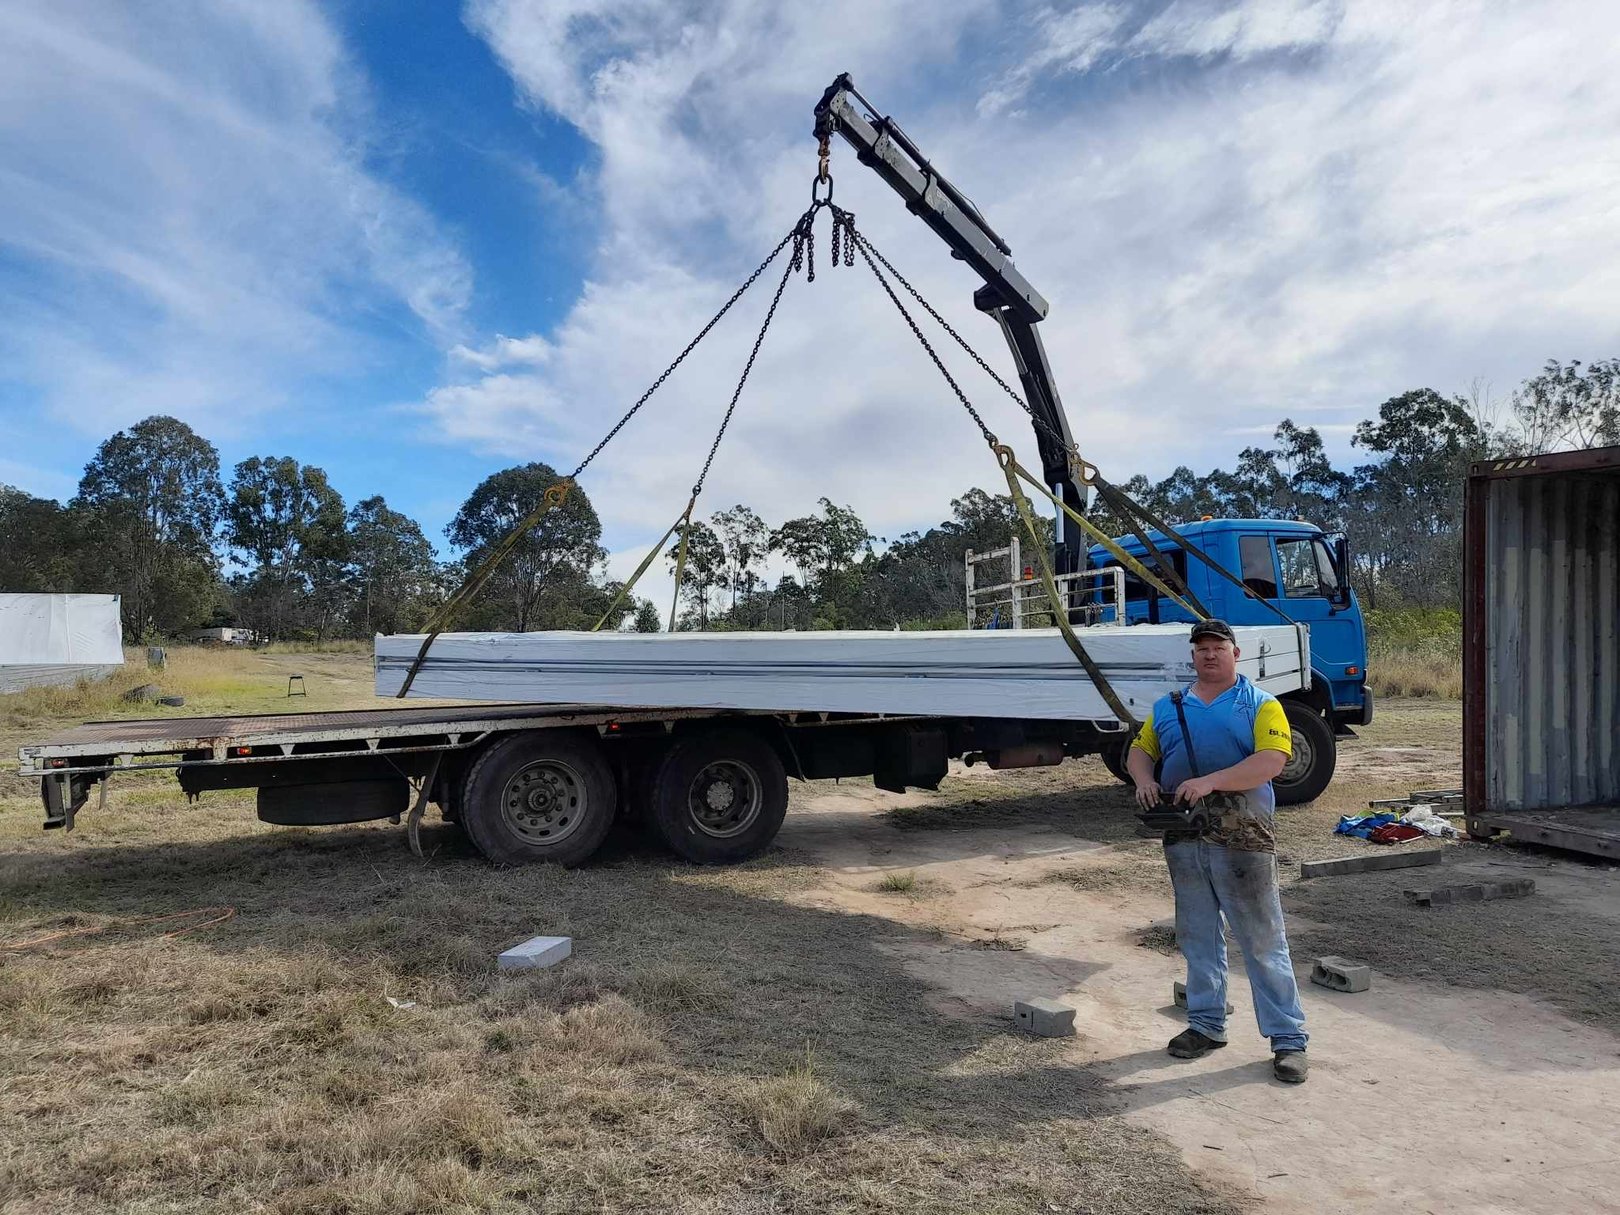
x=1208 y=881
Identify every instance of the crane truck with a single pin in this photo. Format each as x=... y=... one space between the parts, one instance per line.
x=544 y=782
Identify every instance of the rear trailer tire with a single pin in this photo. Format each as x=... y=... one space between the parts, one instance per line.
x=543 y=796
x=1310 y=767
x=719 y=797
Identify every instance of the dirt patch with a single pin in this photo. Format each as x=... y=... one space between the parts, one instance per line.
x=1546 y=945
x=1528 y=1095
x=1121 y=870
x=1160 y=938
x=1079 y=797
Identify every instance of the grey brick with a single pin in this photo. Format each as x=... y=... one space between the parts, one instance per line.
x=1336 y=974
x=1179 y=994
x=1044 y=1017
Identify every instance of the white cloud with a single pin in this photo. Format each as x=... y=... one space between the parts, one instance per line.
x=1200 y=28
x=1072 y=40
x=185 y=215
x=1238 y=210
x=504 y=352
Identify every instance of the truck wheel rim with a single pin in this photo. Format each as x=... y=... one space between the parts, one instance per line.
x=725 y=799
x=1299 y=763
x=544 y=802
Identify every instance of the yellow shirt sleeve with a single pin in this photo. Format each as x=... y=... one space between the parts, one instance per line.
x=1146 y=740
x=1271 y=729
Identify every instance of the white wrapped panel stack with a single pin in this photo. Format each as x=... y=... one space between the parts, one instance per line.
x=983 y=673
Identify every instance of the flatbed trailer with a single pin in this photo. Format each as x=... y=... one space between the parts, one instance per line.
x=544 y=782
x=538 y=782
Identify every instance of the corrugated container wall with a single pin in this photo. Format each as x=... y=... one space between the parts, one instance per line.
x=1542 y=632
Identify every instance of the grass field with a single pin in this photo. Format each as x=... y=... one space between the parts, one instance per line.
x=718 y=1042
x=1415 y=653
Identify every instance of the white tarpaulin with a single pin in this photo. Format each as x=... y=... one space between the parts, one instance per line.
x=54 y=639
x=983 y=673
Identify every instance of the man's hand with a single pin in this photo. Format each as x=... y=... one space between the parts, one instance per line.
x=1196 y=789
x=1148 y=793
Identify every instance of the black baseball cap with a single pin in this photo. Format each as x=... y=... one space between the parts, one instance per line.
x=1213 y=628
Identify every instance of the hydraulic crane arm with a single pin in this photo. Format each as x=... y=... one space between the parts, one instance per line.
x=1006 y=295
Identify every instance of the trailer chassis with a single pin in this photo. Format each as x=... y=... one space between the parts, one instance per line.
x=512 y=774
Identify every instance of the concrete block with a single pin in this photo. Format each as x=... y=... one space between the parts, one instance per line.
x=1338 y=975
x=1179 y=994
x=1044 y=1017
x=1475 y=892
x=536 y=953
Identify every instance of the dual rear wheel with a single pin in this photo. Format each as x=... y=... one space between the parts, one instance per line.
x=717 y=796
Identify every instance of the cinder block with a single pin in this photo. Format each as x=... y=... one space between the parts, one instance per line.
x=1179 y=994
x=1477 y=892
x=1338 y=975
x=1044 y=1017
x=536 y=953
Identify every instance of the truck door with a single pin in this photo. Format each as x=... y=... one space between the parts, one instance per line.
x=1312 y=594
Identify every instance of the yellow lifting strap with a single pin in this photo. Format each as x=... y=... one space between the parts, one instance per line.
x=646 y=563
x=1008 y=462
x=554 y=497
x=680 y=564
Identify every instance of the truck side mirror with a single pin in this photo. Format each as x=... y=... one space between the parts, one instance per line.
x=1341 y=558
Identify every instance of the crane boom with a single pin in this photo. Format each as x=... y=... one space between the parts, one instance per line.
x=1006 y=294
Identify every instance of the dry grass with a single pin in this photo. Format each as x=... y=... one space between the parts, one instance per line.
x=1415 y=652
x=1127 y=866
x=1161 y=938
x=212 y=679
x=338 y=645
x=1415 y=672
x=798 y=1111
x=898 y=882
x=257 y=1065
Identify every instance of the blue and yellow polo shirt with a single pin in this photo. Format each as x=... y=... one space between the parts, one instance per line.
x=1242 y=720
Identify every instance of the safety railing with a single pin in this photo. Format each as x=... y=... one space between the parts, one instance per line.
x=1004 y=593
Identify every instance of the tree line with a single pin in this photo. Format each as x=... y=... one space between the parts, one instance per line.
x=274 y=548
x=1401 y=509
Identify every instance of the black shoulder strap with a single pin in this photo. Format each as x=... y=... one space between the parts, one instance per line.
x=1186 y=734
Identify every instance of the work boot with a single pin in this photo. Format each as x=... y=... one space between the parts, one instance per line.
x=1190 y=1044
x=1289 y=1066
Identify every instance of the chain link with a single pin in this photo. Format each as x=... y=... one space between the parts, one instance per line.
x=753 y=354
x=1041 y=423
x=863 y=245
x=692 y=345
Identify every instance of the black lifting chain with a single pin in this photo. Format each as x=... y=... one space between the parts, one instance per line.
x=1126 y=507
x=793 y=238
x=859 y=240
x=870 y=251
x=802 y=259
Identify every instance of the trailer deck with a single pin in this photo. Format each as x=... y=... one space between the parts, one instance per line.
x=691 y=735
x=123 y=743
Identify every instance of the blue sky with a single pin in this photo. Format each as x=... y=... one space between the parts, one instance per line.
x=415 y=243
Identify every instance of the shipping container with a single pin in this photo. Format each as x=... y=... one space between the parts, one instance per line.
x=1541 y=649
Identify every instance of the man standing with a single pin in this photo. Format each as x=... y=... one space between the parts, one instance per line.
x=1223 y=745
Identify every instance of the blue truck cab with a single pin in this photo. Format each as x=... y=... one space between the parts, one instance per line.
x=1301 y=571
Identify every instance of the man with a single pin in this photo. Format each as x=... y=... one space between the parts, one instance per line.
x=1240 y=742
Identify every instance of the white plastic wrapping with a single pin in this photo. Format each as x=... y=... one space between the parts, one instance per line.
x=980 y=673
x=56 y=639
